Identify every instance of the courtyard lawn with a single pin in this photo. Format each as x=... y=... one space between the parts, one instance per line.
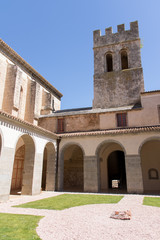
x=71 y=200
x=152 y=201
x=16 y=226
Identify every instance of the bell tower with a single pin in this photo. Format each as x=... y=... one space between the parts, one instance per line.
x=118 y=74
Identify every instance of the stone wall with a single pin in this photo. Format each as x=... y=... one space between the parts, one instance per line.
x=118 y=87
x=22 y=95
x=107 y=119
x=115 y=89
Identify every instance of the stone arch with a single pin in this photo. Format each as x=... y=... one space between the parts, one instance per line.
x=71 y=167
x=124 y=59
x=108 y=142
x=150 y=159
x=146 y=140
x=111 y=160
x=48 y=170
x=22 y=174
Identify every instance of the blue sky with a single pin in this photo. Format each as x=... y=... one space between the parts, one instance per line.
x=56 y=38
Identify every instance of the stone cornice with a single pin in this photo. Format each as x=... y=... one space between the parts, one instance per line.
x=116 y=131
x=7 y=117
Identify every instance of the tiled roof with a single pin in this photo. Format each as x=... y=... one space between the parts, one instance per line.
x=116 y=131
x=150 y=92
x=112 y=131
x=90 y=110
x=18 y=120
x=73 y=110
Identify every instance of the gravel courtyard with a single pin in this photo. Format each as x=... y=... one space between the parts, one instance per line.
x=92 y=221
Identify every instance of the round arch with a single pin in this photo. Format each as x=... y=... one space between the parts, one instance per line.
x=71 y=167
x=48 y=169
x=69 y=144
x=22 y=173
x=124 y=58
x=111 y=160
x=25 y=136
x=157 y=138
x=149 y=152
x=109 y=141
x=108 y=64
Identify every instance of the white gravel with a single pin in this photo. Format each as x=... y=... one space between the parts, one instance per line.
x=92 y=222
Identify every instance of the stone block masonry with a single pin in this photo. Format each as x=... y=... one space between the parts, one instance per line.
x=116 y=85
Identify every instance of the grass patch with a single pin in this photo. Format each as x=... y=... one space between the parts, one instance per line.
x=70 y=200
x=16 y=226
x=152 y=201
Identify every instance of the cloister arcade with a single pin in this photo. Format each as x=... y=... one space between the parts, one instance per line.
x=28 y=163
x=133 y=162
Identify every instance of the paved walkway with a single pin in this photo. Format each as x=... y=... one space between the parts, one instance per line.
x=92 y=222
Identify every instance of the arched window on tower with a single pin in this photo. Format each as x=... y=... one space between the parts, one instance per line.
x=109 y=62
x=124 y=59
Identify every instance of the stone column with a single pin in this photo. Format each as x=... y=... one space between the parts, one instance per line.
x=37 y=174
x=6 y=167
x=91 y=174
x=32 y=172
x=50 y=178
x=60 y=173
x=134 y=174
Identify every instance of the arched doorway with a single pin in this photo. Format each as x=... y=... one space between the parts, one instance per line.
x=22 y=174
x=73 y=169
x=116 y=170
x=112 y=167
x=150 y=162
x=48 y=170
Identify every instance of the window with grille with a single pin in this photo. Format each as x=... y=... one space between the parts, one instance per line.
x=121 y=119
x=60 y=125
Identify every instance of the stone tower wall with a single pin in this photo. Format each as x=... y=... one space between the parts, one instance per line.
x=117 y=87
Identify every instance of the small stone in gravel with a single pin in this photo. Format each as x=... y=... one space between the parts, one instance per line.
x=122 y=215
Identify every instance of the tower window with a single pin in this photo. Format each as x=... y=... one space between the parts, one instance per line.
x=124 y=59
x=121 y=119
x=60 y=125
x=109 y=62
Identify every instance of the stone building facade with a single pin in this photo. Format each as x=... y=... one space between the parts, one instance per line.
x=87 y=149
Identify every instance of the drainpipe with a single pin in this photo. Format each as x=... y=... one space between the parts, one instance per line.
x=57 y=158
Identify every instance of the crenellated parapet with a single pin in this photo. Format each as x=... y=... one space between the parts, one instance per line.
x=118 y=74
x=122 y=35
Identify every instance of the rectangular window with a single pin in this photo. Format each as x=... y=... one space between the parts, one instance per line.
x=121 y=119
x=60 y=126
